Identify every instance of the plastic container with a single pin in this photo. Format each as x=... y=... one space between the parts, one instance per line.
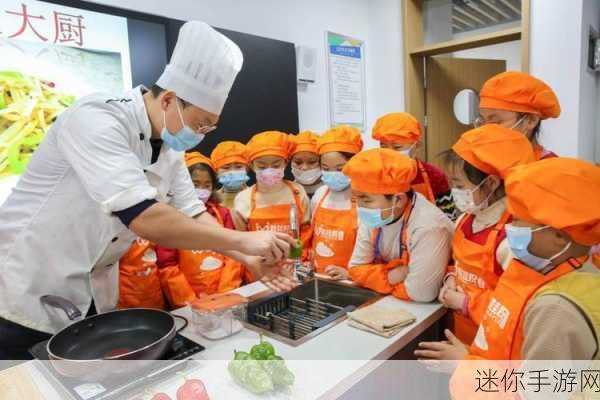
x=219 y=316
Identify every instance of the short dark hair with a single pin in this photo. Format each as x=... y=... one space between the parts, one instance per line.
x=204 y=167
x=450 y=159
x=347 y=155
x=391 y=196
x=535 y=134
x=157 y=90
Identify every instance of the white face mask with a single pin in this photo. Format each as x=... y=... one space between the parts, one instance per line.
x=307 y=177
x=465 y=202
x=407 y=152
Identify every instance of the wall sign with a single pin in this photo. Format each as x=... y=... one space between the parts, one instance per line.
x=346 y=72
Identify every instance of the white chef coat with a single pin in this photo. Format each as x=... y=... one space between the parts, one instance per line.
x=58 y=233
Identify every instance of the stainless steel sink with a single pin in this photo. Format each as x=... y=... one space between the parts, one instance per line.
x=334 y=293
x=306 y=311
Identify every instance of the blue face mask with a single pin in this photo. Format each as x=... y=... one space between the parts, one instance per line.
x=519 y=238
x=183 y=140
x=335 y=180
x=233 y=180
x=371 y=217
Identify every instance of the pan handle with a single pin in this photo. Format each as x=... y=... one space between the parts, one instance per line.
x=69 y=308
x=185 y=322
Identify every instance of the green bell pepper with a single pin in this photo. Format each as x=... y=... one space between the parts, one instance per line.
x=263 y=350
x=248 y=373
x=278 y=371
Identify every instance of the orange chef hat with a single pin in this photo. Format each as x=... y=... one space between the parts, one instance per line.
x=563 y=193
x=194 y=157
x=268 y=143
x=519 y=92
x=398 y=128
x=228 y=152
x=380 y=171
x=304 y=141
x=343 y=138
x=494 y=149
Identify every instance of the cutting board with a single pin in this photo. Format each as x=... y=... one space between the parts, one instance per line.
x=17 y=384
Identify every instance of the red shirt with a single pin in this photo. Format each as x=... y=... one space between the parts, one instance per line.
x=437 y=179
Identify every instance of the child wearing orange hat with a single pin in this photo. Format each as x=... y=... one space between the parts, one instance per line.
x=335 y=222
x=151 y=274
x=545 y=305
x=403 y=242
x=476 y=166
x=266 y=204
x=305 y=161
x=206 y=272
x=518 y=101
x=402 y=132
x=229 y=162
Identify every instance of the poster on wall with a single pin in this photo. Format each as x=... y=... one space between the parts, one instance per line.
x=50 y=55
x=346 y=72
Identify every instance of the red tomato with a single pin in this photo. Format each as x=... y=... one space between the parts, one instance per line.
x=192 y=390
x=161 y=396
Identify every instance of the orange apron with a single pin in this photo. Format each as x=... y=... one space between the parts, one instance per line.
x=424 y=187
x=208 y=272
x=475 y=274
x=139 y=283
x=334 y=235
x=274 y=218
x=501 y=336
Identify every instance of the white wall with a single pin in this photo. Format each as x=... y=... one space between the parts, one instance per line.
x=304 y=23
x=589 y=96
x=559 y=32
x=558 y=43
x=510 y=51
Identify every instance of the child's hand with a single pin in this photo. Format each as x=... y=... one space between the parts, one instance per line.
x=337 y=273
x=454 y=299
x=451 y=349
x=397 y=275
x=449 y=284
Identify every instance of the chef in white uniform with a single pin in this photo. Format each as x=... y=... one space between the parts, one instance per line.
x=109 y=169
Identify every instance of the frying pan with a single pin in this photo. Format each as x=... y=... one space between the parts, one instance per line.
x=86 y=348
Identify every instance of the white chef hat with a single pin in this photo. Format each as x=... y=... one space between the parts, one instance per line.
x=203 y=67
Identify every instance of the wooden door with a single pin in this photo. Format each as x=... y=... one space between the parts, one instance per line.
x=445 y=77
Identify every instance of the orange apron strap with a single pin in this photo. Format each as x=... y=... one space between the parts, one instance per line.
x=297 y=200
x=427 y=182
x=314 y=213
x=217 y=213
x=493 y=236
x=405 y=257
x=252 y=199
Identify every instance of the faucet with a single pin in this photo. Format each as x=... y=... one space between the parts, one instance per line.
x=303 y=273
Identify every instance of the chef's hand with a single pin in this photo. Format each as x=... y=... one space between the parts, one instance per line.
x=397 y=275
x=337 y=273
x=452 y=349
x=274 y=247
x=454 y=299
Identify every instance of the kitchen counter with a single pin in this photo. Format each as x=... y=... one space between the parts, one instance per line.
x=326 y=366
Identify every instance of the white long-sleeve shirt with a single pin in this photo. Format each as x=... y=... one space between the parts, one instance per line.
x=430 y=235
